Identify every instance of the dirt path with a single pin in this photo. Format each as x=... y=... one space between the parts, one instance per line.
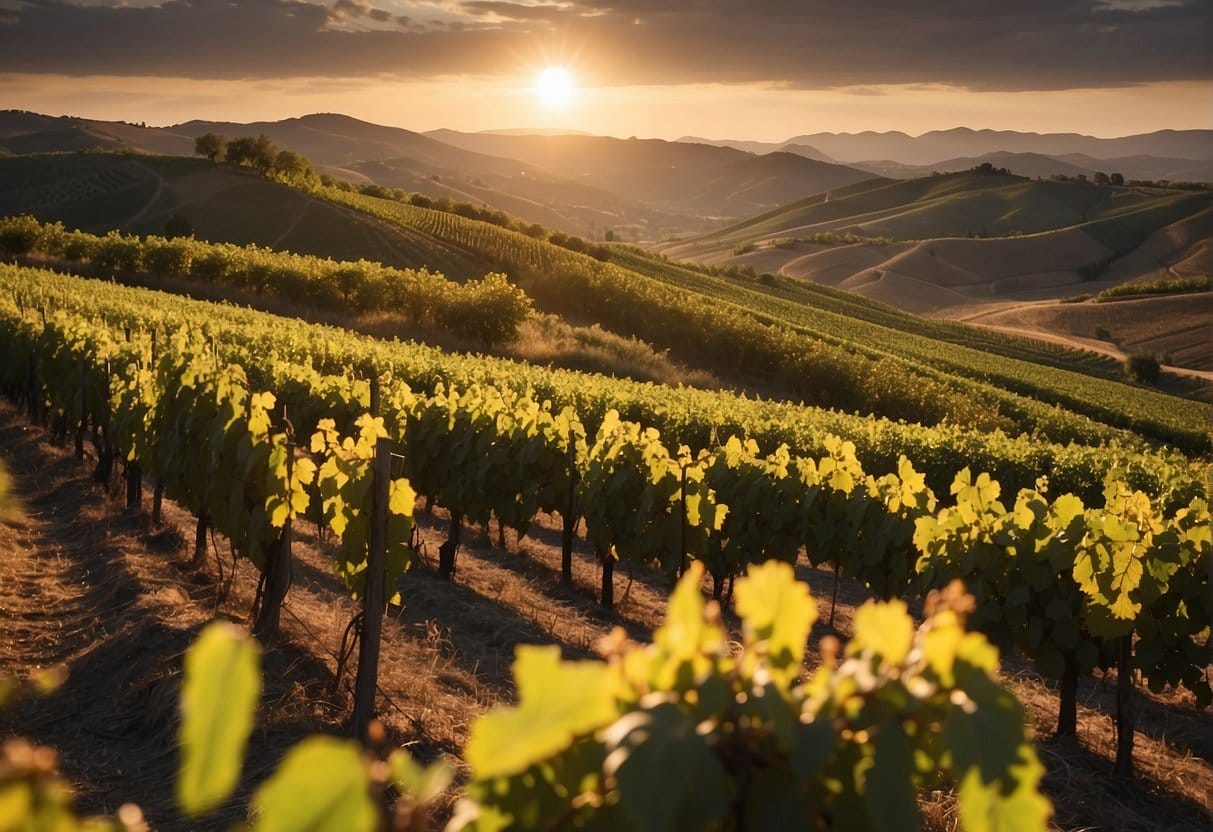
x=152 y=200
x=303 y=206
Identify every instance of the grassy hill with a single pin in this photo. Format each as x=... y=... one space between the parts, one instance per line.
x=951 y=242
x=98 y=192
x=949 y=205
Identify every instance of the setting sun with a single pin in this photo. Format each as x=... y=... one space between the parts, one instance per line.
x=554 y=87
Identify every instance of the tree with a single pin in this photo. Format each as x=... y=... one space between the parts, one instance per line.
x=1117 y=179
x=1101 y=178
x=294 y=169
x=609 y=236
x=258 y=153
x=211 y=145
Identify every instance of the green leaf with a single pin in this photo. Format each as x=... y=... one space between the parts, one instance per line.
x=644 y=749
x=996 y=807
x=995 y=765
x=556 y=702
x=322 y=785
x=218 y=703
x=816 y=742
x=422 y=783
x=889 y=784
x=778 y=610
x=884 y=628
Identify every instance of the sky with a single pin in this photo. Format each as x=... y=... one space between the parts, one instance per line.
x=741 y=69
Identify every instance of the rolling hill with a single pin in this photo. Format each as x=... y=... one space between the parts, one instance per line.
x=549 y=186
x=1184 y=155
x=99 y=192
x=958 y=244
x=1038 y=165
x=932 y=146
x=700 y=179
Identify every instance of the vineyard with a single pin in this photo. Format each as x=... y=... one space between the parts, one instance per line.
x=488 y=311
x=1088 y=559
x=254 y=424
x=699 y=419
x=827 y=359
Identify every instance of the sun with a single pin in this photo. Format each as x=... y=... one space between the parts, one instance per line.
x=554 y=87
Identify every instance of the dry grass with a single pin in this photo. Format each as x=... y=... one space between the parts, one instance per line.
x=93 y=587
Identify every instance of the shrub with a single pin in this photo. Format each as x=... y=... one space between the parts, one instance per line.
x=488 y=310
x=20 y=235
x=1143 y=367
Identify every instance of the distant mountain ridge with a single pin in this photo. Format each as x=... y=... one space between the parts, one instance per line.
x=938 y=145
x=691 y=177
x=1039 y=166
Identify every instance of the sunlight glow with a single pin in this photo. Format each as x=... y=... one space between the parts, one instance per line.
x=554 y=87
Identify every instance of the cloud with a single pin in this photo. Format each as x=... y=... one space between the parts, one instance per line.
x=808 y=44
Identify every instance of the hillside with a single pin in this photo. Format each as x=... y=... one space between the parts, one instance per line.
x=536 y=197
x=1038 y=165
x=957 y=244
x=361 y=152
x=773 y=339
x=692 y=178
x=935 y=145
x=98 y=192
x=957 y=238
x=1185 y=155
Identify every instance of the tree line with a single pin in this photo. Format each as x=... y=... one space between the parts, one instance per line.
x=260 y=154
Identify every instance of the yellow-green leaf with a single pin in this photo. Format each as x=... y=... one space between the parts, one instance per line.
x=556 y=702
x=884 y=628
x=322 y=785
x=218 y=702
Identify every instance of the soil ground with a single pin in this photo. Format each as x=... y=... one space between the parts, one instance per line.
x=93 y=587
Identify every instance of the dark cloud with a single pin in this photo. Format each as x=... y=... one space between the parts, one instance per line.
x=1032 y=44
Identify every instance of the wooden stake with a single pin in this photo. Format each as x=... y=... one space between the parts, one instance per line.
x=374 y=598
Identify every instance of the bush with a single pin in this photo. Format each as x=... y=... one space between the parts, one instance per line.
x=20 y=235
x=489 y=310
x=168 y=256
x=1143 y=367
x=116 y=253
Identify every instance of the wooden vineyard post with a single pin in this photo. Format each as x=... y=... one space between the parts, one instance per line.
x=374 y=599
x=682 y=523
x=607 y=598
x=31 y=401
x=1124 y=708
x=204 y=521
x=158 y=502
x=1067 y=711
x=450 y=548
x=80 y=397
x=569 y=517
x=134 y=484
x=277 y=568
